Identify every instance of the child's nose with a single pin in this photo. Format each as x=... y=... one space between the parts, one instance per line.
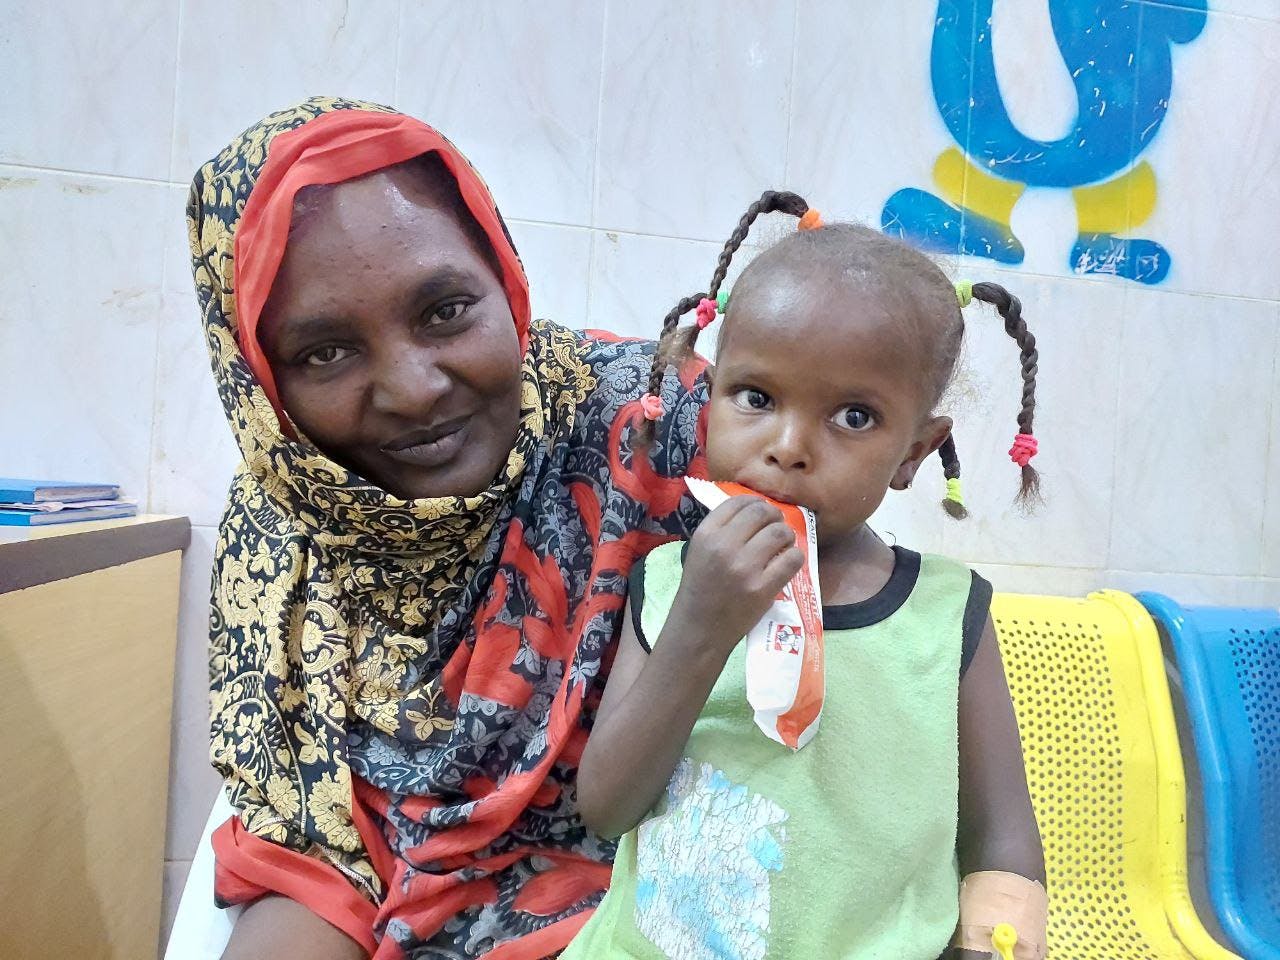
x=789 y=450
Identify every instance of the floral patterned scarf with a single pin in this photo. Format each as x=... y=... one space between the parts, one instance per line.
x=401 y=689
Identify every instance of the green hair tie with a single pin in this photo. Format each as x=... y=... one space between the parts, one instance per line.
x=722 y=301
x=964 y=292
x=953 y=491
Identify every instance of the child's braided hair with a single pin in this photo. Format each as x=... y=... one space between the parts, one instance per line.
x=676 y=343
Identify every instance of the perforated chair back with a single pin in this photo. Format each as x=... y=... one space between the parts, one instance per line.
x=1229 y=658
x=1105 y=774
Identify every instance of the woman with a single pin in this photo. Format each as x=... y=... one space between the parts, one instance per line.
x=425 y=551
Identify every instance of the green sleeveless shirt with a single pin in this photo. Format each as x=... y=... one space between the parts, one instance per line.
x=845 y=849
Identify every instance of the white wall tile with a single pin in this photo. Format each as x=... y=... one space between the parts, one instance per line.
x=195 y=453
x=556 y=260
x=914 y=518
x=88 y=86
x=694 y=121
x=1045 y=581
x=193 y=783
x=864 y=123
x=79 y=298
x=1194 y=405
x=1075 y=421
x=239 y=60
x=1198 y=590
x=177 y=250
x=1271 y=515
x=517 y=88
x=1264 y=9
x=635 y=280
x=1214 y=161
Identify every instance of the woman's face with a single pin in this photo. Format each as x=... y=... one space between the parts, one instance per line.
x=391 y=338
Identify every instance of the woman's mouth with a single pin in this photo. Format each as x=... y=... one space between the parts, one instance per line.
x=430 y=447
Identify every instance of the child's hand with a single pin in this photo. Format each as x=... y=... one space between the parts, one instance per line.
x=738 y=560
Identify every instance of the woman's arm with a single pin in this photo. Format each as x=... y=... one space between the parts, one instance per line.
x=277 y=928
x=738 y=560
x=998 y=829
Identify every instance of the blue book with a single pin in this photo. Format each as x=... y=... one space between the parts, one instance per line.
x=40 y=518
x=43 y=491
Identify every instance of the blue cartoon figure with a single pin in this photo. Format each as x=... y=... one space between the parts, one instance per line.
x=1119 y=55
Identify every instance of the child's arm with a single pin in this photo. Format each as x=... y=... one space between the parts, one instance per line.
x=738 y=560
x=998 y=828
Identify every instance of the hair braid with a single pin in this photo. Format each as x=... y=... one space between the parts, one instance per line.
x=771 y=201
x=1010 y=309
x=676 y=344
x=953 y=503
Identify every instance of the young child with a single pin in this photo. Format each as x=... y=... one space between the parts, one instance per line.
x=837 y=344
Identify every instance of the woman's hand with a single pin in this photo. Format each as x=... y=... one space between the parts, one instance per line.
x=738 y=560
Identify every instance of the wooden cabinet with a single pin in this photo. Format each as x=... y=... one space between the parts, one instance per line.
x=88 y=624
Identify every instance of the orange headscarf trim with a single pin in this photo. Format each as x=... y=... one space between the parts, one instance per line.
x=341 y=146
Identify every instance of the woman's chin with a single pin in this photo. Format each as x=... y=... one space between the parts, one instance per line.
x=458 y=479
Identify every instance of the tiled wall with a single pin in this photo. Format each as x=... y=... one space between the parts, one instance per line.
x=623 y=139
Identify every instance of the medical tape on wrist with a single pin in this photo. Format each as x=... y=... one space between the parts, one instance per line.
x=992 y=897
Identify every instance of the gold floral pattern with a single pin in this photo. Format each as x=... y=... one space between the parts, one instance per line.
x=427 y=644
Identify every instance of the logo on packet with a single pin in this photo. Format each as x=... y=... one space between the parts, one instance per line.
x=786 y=639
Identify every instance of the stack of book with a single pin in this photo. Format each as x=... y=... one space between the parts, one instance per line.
x=34 y=503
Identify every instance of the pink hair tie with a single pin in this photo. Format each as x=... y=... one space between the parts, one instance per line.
x=652 y=406
x=1025 y=446
x=706 y=313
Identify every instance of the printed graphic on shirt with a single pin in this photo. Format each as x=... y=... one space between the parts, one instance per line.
x=703 y=868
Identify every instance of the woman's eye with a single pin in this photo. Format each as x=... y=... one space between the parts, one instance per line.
x=446 y=312
x=855 y=418
x=324 y=356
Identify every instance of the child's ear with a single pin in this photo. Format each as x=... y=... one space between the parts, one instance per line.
x=932 y=433
x=709 y=374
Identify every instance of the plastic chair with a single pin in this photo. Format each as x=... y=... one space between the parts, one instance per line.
x=1229 y=659
x=1105 y=773
x=201 y=929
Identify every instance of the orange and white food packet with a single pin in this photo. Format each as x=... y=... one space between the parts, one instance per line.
x=786 y=682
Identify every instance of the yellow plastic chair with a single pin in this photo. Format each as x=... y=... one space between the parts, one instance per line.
x=1106 y=778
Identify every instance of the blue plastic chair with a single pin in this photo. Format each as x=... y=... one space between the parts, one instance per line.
x=1229 y=659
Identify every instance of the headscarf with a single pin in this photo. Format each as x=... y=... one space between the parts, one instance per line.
x=445 y=649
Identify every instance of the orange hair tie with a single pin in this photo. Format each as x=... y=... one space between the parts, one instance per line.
x=811 y=220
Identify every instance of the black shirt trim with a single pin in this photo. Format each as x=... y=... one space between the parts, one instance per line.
x=976 y=613
x=864 y=613
x=874 y=609
x=635 y=594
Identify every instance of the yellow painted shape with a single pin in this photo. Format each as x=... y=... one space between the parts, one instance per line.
x=1117 y=205
x=965 y=185
x=1105 y=774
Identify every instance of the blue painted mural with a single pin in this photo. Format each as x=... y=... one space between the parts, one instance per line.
x=1119 y=55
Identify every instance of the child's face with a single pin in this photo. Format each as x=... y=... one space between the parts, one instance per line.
x=822 y=397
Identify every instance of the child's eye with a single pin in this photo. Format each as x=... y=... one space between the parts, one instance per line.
x=324 y=356
x=754 y=399
x=855 y=418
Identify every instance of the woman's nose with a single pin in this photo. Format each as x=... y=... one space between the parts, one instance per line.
x=409 y=383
